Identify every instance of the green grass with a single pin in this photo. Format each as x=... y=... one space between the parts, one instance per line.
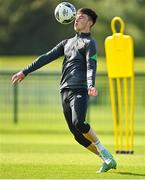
x=18 y=62
x=43 y=151
x=40 y=145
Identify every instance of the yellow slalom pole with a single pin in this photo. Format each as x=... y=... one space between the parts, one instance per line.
x=126 y=112
x=114 y=114
x=132 y=115
x=119 y=113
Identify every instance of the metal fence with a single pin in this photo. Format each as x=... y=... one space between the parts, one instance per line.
x=37 y=98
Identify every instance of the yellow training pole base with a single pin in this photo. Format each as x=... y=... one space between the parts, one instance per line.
x=124 y=152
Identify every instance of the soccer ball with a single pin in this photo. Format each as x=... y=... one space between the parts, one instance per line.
x=65 y=13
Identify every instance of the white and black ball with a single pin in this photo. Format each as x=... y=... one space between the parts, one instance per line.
x=65 y=12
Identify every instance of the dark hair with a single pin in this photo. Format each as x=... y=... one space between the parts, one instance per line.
x=92 y=14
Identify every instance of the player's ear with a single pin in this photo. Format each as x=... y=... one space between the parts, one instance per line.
x=90 y=23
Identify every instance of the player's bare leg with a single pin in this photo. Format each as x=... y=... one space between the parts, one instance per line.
x=91 y=135
x=97 y=148
x=93 y=149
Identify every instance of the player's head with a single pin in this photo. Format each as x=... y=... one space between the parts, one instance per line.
x=85 y=19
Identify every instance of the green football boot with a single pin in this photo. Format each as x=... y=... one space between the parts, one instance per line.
x=106 y=167
x=109 y=163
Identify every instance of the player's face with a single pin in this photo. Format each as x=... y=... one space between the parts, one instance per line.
x=82 y=23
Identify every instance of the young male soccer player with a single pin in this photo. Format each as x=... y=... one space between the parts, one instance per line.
x=77 y=82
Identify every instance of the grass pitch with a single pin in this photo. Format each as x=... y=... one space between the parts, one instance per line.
x=48 y=151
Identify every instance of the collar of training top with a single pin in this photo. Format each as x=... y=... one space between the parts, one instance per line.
x=82 y=34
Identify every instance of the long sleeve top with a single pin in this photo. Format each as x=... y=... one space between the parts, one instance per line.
x=79 y=65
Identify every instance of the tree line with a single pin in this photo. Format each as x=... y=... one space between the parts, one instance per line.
x=29 y=26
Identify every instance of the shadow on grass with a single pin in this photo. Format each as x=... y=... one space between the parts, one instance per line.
x=130 y=173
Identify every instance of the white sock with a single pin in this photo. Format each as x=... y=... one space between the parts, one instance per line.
x=99 y=146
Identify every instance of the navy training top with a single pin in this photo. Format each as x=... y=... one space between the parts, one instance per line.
x=79 y=65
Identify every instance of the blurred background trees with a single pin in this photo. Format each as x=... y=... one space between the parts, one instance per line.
x=29 y=26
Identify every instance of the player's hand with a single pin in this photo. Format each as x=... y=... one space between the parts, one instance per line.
x=18 y=77
x=92 y=91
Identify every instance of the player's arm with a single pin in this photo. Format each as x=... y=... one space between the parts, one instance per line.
x=42 y=60
x=91 y=58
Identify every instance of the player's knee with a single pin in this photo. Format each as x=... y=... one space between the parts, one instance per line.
x=79 y=140
x=82 y=127
x=82 y=141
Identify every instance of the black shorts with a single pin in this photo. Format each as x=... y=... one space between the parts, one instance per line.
x=75 y=103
